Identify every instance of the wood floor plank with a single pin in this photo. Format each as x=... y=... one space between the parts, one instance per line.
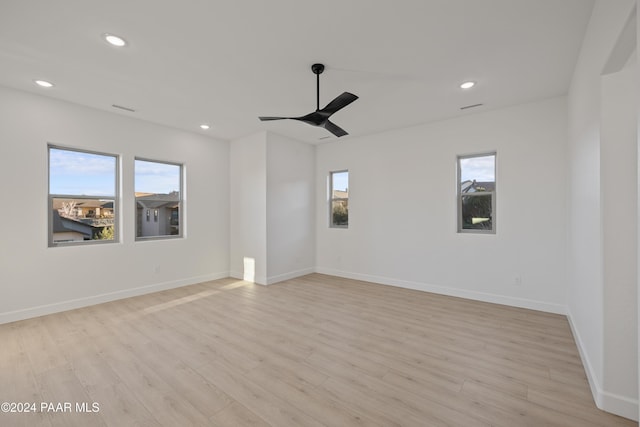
x=306 y=396
x=261 y=401
x=578 y=408
x=63 y=391
x=409 y=405
x=154 y=394
x=18 y=384
x=236 y=415
x=311 y=351
x=121 y=407
x=534 y=414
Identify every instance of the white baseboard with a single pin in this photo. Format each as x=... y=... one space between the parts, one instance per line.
x=610 y=402
x=454 y=292
x=619 y=405
x=592 y=378
x=258 y=280
x=42 y=310
x=270 y=280
x=290 y=275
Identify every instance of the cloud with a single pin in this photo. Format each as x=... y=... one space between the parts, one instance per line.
x=65 y=162
x=482 y=169
x=155 y=177
x=79 y=173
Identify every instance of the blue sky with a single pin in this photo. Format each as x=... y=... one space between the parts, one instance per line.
x=482 y=169
x=153 y=177
x=341 y=181
x=84 y=174
x=78 y=173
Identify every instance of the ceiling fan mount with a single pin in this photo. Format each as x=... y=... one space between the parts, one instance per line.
x=317 y=68
x=320 y=117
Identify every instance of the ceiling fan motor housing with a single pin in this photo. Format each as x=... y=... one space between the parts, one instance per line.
x=317 y=68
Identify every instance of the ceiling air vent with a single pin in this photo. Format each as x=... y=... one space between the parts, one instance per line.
x=471 y=106
x=131 y=110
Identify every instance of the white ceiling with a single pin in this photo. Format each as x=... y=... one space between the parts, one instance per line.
x=226 y=62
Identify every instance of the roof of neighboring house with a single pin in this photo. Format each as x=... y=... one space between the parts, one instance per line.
x=84 y=203
x=474 y=186
x=340 y=194
x=63 y=224
x=173 y=196
x=153 y=201
x=154 y=204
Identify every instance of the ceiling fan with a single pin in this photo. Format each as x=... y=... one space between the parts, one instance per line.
x=320 y=117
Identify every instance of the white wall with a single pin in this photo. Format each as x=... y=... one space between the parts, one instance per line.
x=618 y=165
x=290 y=208
x=638 y=197
x=402 y=208
x=37 y=279
x=272 y=208
x=248 y=246
x=591 y=306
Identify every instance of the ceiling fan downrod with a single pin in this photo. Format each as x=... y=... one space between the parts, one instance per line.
x=317 y=70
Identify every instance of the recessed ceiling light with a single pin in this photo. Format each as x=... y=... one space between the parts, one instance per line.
x=467 y=85
x=43 y=83
x=114 y=40
x=205 y=127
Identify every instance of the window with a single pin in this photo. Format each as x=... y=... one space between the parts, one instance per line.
x=339 y=204
x=477 y=193
x=83 y=195
x=158 y=188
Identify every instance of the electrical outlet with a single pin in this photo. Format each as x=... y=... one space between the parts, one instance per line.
x=517 y=281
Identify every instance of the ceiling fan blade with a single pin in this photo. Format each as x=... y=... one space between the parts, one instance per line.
x=339 y=103
x=320 y=117
x=313 y=119
x=334 y=129
x=266 y=119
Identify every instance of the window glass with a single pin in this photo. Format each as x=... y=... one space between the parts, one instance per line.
x=477 y=193
x=158 y=192
x=339 y=206
x=82 y=196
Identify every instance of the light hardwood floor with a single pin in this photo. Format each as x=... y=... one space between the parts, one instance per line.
x=312 y=351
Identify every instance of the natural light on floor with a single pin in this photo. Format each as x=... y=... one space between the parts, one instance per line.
x=236 y=285
x=195 y=297
x=180 y=301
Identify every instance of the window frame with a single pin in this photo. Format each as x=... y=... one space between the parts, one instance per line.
x=460 y=195
x=334 y=199
x=151 y=214
x=51 y=196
